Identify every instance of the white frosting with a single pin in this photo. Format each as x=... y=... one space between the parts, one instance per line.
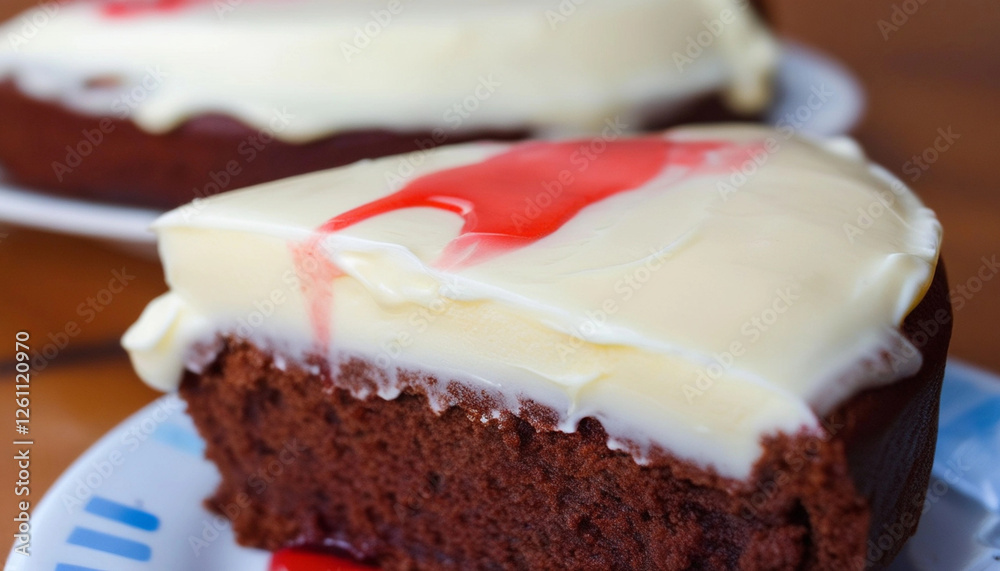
x=352 y=64
x=696 y=313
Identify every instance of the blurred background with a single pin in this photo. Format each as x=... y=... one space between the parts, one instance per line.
x=935 y=68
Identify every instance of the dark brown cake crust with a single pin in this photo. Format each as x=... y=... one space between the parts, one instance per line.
x=47 y=146
x=305 y=463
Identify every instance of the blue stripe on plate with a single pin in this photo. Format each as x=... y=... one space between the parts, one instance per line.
x=68 y=567
x=180 y=438
x=110 y=544
x=121 y=513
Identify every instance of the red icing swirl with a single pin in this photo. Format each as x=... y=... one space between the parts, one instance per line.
x=125 y=8
x=491 y=196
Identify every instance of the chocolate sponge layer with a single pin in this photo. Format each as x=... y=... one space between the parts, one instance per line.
x=395 y=484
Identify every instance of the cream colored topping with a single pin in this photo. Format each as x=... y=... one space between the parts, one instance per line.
x=695 y=313
x=309 y=68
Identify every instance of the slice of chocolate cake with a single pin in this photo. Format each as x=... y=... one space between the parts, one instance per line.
x=160 y=102
x=710 y=348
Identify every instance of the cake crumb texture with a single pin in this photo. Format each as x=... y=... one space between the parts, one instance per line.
x=305 y=463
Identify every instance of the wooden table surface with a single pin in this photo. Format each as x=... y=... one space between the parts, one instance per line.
x=935 y=68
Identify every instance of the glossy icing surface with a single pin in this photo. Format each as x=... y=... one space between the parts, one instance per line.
x=399 y=64
x=694 y=291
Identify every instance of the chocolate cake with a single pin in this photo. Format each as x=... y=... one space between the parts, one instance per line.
x=711 y=348
x=159 y=103
x=203 y=157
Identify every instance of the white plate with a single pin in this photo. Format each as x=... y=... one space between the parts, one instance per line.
x=816 y=95
x=133 y=501
x=121 y=225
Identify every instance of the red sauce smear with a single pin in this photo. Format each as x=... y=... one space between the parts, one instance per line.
x=494 y=198
x=125 y=8
x=299 y=560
